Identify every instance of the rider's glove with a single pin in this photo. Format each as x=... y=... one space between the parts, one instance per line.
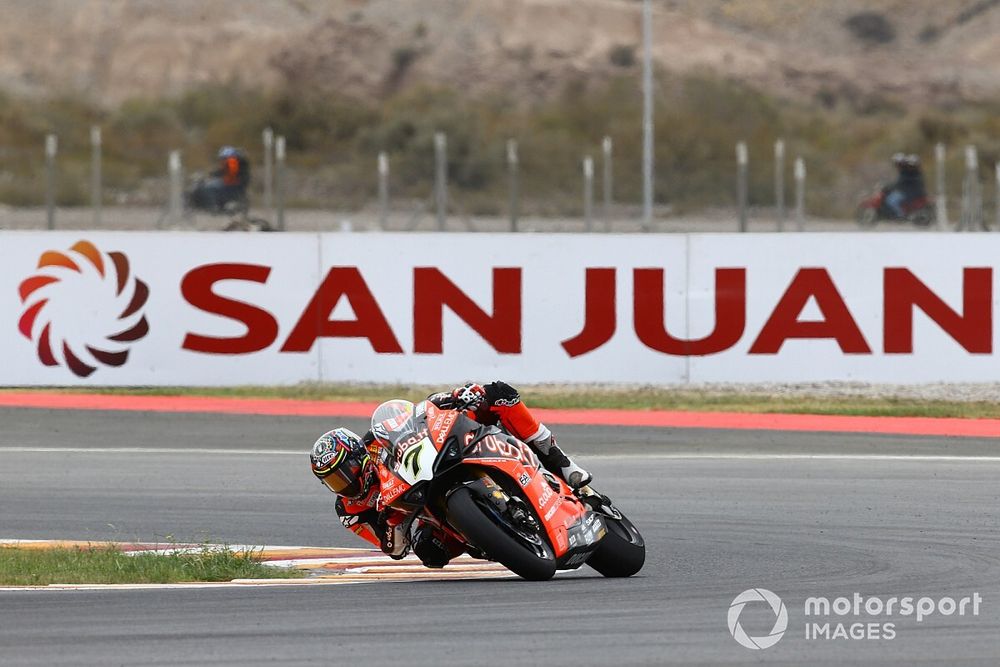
x=468 y=397
x=393 y=539
x=501 y=393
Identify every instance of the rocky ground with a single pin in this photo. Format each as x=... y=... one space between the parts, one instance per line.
x=924 y=51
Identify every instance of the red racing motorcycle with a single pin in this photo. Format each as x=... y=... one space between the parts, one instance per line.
x=872 y=209
x=487 y=489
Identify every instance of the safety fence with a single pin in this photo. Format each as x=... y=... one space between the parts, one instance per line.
x=599 y=206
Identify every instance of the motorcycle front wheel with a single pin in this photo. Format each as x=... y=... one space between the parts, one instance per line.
x=867 y=216
x=622 y=551
x=478 y=523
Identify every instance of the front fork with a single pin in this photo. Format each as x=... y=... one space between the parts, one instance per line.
x=598 y=502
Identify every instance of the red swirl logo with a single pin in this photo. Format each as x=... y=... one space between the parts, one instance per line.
x=82 y=308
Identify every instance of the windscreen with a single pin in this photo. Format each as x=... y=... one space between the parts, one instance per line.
x=393 y=421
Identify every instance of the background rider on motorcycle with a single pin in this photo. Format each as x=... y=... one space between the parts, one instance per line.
x=909 y=185
x=228 y=181
x=345 y=463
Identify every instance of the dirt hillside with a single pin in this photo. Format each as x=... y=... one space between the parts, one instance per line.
x=923 y=51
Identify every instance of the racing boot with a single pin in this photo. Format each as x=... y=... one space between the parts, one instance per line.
x=555 y=460
x=433 y=549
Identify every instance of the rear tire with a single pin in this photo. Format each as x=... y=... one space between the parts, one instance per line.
x=621 y=552
x=466 y=515
x=924 y=217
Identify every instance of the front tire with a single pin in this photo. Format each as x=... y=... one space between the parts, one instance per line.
x=621 y=552
x=480 y=529
x=867 y=216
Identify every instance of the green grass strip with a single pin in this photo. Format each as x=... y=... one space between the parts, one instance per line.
x=21 y=566
x=632 y=398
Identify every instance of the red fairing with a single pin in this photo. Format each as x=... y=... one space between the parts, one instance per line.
x=557 y=509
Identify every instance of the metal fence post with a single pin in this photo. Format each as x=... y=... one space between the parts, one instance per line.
x=941 y=203
x=95 y=173
x=648 y=182
x=779 y=182
x=741 y=183
x=588 y=192
x=51 y=148
x=800 y=194
x=279 y=182
x=441 y=178
x=383 y=190
x=174 y=200
x=267 y=137
x=606 y=148
x=972 y=203
x=512 y=164
x=996 y=194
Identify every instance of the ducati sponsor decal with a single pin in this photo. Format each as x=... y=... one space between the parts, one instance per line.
x=442 y=425
x=493 y=446
x=390 y=494
x=545 y=496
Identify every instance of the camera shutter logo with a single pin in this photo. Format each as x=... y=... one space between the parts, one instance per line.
x=780 y=618
x=83 y=308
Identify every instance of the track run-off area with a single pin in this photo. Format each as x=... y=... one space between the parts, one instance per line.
x=826 y=509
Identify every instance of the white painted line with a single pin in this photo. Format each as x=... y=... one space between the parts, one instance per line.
x=152 y=450
x=328 y=580
x=331 y=580
x=341 y=565
x=799 y=457
x=735 y=456
x=240 y=583
x=231 y=547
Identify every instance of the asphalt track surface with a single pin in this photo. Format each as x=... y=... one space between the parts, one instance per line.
x=721 y=512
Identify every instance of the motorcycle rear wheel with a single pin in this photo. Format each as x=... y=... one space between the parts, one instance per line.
x=621 y=552
x=923 y=217
x=481 y=530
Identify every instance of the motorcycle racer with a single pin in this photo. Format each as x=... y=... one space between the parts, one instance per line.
x=345 y=463
x=909 y=186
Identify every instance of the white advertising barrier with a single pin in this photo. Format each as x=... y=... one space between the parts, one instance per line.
x=92 y=308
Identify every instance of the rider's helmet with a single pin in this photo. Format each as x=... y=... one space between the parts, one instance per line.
x=912 y=160
x=898 y=159
x=391 y=417
x=340 y=460
x=227 y=152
